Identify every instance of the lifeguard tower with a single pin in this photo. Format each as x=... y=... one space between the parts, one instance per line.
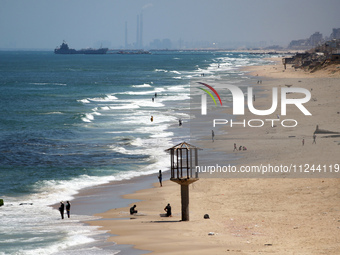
x=184 y=159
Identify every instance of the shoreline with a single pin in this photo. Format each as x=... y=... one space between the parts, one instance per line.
x=246 y=216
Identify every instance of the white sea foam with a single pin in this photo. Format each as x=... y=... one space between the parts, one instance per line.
x=105 y=108
x=176 y=72
x=145 y=85
x=149 y=92
x=179 y=97
x=84 y=101
x=124 y=106
x=107 y=98
x=137 y=142
x=161 y=70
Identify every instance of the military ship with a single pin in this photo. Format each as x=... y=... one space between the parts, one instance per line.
x=64 y=49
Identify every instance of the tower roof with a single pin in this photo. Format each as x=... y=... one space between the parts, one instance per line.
x=183 y=145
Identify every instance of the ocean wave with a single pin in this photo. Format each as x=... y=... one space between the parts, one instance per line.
x=161 y=70
x=124 y=106
x=149 y=92
x=145 y=85
x=88 y=117
x=107 y=98
x=84 y=101
x=176 y=72
x=48 y=83
x=53 y=113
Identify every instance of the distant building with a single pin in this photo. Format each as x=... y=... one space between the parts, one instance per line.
x=312 y=41
x=157 y=44
x=315 y=39
x=335 y=33
x=295 y=44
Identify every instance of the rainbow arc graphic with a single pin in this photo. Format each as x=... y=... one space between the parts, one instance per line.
x=204 y=97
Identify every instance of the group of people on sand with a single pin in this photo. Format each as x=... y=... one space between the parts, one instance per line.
x=167 y=208
x=240 y=148
x=133 y=210
x=62 y=209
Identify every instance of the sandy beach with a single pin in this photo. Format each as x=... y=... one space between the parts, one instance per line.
x=279 y=213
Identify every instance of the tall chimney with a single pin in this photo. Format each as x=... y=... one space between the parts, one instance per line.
x=137 y=37
x=141 y=32
x=126 y=35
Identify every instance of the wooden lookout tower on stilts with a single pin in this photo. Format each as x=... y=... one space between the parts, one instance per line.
x=184 y=159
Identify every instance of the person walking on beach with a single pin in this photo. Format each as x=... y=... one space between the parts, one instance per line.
x=168 y=210
x=160 y=178
x=68 y=208
x=303 y=141
x=133 y=210
x=314 y=137
x=235 y=147
x=62 y=209
x=212 y=135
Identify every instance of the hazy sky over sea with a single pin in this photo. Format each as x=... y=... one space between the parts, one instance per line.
x=89 y=23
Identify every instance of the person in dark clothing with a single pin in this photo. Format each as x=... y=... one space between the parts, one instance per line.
x=168 y=210
x=133 y=210
x=68 y=208
x=62 y=209
x=160 y=178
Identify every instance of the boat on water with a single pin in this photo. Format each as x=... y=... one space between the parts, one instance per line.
x=64 y=49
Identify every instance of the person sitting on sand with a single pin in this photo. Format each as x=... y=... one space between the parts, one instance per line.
x=133 y=210
x=168 y=210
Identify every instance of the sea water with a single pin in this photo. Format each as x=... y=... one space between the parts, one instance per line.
x=69 y=122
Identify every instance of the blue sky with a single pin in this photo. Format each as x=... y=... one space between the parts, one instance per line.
x=88 y=23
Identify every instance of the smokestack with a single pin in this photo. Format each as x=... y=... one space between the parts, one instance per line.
x=137 y=37
x=141 y=32
x=126 y=35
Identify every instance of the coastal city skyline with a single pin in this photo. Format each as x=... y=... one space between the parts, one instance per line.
x=162 y=24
